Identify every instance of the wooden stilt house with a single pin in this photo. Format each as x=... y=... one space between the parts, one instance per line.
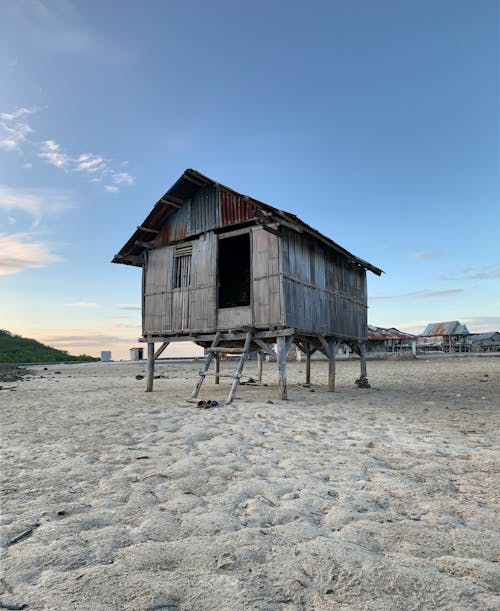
x=235 y=275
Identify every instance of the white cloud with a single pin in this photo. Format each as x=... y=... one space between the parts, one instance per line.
x=20 y=112
x=123 y=178
x=14 y=135
x=56 y=28
x=35 y=202
x=487 y=272
x=423 y=254
x=83 y=304
x=20 y=251
x=15 y=132
x=128 y=306
x=88 y=162
x=424 y=294
x=122 y=325
x=50 y=151
x=482 y=324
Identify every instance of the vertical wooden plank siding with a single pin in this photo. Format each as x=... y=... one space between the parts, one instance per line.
x=157 y=290
x=323 y=292
x=169 y=309
x=266 y=302
x=296 y=282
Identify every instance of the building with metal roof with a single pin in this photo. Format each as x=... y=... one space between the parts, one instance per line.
x=450 y=336
x=382 y=340
x=486 y=342
x=234 y=274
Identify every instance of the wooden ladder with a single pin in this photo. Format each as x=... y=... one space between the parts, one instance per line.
x=214 y=349
x=206 y=367
x=239 y=369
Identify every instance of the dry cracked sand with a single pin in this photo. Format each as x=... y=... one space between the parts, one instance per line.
x=387 y=498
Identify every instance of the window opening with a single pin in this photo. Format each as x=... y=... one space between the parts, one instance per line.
x=234 y=271
x=182 y=266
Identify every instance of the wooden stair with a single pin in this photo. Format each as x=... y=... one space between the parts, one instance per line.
x=214 y=349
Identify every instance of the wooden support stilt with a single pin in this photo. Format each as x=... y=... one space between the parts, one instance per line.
x=362 y=381
x=265 y=347
x=308 y=363
x=161 y=349
x=260 y=359
x=217 y=368
x=281 y=346
x=150 y=367
x=362 y=350
x=332 y=349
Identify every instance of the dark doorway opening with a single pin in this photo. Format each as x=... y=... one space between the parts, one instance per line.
x=234 y=271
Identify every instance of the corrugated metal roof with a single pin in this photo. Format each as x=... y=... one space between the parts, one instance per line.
x=478 y=337
x=381 y=334
x=451 y=327
x=235 y=208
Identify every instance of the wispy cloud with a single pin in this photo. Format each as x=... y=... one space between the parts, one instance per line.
x=482 y=324
x=123 y=178
x=36 y=202
x=20 y=112
x=423 y=254
x=424 y=294
x=15 y=133
x=50 y=151
x=122 y=325
x=21 y=251
x=88 y=162
x=55 y=27
x=128 y=306
x=83 y=304
x=90 y=339
x=488 y=272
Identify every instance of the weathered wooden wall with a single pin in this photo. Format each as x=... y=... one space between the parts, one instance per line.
x=266 y=281
x=323 y=292
x=296 y=282
x=168 y=309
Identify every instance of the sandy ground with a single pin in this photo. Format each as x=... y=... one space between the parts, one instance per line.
x=113 y=498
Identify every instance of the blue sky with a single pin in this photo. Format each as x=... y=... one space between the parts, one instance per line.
x=375 y=122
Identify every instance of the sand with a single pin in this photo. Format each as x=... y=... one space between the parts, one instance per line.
x=387 y=498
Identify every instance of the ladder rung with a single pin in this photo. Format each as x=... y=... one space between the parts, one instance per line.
x=226 y=350
x=227 y=375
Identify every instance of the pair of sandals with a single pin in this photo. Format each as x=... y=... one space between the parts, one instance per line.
x=207 y=404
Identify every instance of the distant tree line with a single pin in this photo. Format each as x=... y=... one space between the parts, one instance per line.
x=17 y=349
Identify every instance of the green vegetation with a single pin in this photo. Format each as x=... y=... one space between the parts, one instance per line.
x=17 y=349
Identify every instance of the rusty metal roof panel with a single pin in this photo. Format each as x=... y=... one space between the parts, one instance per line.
x=439 y=329
x=205 y=210
x=381 y=334
x=479 y=337
x=234 y=208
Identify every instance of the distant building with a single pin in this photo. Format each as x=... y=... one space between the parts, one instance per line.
x=391 y=340
x=486 y=342
x=450 y=336
x=136 y=354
